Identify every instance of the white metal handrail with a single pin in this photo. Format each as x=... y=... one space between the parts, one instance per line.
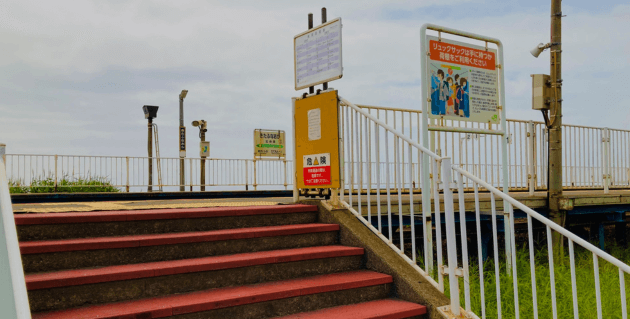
x=368 y=140
x=13 y=297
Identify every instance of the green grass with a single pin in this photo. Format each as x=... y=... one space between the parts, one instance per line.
x=609 y=285
x=65 y=185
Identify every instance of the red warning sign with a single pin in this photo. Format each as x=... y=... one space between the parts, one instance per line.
x=317 y=169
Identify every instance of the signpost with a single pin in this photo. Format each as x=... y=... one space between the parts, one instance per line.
x=269 y=143
x=317 y=55
x=480 y=98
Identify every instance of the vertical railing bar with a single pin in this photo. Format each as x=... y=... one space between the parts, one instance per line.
x=377 y=133
x=622 y=290
x=438 y=225
x=399 y=185
x=464 y=237
x=359 y=133
x=451 y=242
x=573 y=280
x=598 y=294
x=480 y=252
x=387 y=178
x=352 y=134
x=411 y=208
x=368 y=137
x=532 y=267
x=552 y=275
x=495 y=244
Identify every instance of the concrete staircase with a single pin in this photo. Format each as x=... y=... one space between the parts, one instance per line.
x=244 y=262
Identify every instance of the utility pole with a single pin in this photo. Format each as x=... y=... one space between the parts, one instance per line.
x=150 y=151
x=202 y=125
x=554 y=193
x=150 y=112
x=202 y=135
x=182 y=141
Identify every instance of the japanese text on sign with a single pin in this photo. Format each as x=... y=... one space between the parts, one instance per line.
x=269 y=143
x=317 y=169
x=447 y=52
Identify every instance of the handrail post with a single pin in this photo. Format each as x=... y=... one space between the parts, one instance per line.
x=255 y=183
x=246 y=175
x=531 y=158
x=55 y=172
x=605 y=160
x=285 y=174
x=127 y=170
x=451 y=242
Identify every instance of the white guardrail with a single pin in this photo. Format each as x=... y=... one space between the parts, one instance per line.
x=369 y=139
x=13 y=297
x=131 y=173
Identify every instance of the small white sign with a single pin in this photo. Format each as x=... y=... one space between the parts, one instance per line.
x=314 y=124
x=317 y=55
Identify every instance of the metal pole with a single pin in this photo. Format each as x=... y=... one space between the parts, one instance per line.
x=296 y=194
x=203 y=163
x=555 y=130
x=324 y=18
x=311 y=89
x=182 y=174
x=150 y=151
x=3 y=150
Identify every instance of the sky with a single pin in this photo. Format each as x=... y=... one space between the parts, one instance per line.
x=74 y=75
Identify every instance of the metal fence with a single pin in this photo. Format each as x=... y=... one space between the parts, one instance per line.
x=446 y=260
x=593 y=158
x=131 y=173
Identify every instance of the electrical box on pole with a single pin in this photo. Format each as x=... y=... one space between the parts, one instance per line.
x=541 y=91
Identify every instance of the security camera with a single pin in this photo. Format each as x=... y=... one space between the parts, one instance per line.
x=195 y=123
x=538 y=50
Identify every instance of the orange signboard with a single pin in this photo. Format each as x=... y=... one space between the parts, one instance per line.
x=453 y=53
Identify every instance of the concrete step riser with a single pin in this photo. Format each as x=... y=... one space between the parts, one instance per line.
x=105 y=229
x=47 y=262
x=287 y=306
x=83 y=295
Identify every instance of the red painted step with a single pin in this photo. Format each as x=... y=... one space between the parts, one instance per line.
x=163 y=268
x=378 y=309
x=224 y=297
x=49 y=246
x=152 y=214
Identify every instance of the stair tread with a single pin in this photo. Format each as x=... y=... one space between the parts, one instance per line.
x=377 y=309
x=163 y=268
x=63 y=245
x=153 y=214
x=224 y=297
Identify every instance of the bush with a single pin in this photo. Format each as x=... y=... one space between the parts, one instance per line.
x=65 y=185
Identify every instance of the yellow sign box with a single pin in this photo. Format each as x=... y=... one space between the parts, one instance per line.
x=317 y=144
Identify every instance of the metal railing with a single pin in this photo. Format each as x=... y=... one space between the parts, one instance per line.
x=593 y=157
x=131 y=173
x=14 y=299
x=431 y=212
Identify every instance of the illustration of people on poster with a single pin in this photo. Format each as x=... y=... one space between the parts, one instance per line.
x=463 y=81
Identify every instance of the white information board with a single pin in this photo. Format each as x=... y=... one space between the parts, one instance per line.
x=464 y=81
x=317 y=55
